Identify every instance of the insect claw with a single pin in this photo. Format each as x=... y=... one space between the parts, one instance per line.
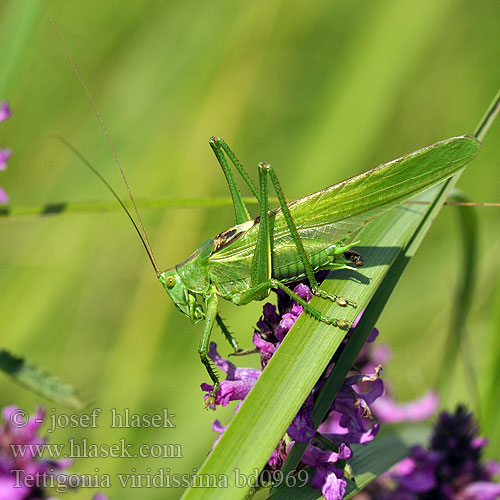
x=341 y=301
x=343 y=323
x=210 y=403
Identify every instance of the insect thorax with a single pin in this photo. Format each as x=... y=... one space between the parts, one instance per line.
x=193 y=271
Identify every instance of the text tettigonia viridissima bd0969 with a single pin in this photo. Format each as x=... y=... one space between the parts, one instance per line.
x=295 y=240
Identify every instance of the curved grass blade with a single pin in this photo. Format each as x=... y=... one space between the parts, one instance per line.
x=292 y=372
x=39 y=381
x=290 y=375
x=380 y=298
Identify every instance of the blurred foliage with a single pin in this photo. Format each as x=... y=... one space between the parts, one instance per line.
x=322 y=92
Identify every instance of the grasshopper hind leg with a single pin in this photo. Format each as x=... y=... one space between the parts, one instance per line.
x=261 y=270
x=255 y=292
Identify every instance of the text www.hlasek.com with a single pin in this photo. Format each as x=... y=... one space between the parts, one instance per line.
x=84 y=449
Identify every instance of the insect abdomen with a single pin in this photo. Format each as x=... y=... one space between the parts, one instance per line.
x=287 y=265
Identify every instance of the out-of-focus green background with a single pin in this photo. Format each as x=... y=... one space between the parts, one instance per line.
x=321 y=90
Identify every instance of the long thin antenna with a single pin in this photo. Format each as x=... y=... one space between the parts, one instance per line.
x=144 y=236
x=113 y=192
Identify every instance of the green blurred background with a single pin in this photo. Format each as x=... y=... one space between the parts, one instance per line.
x=321 y=90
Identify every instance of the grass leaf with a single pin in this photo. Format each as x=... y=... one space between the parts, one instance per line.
x=39 y=381
x=388 y=244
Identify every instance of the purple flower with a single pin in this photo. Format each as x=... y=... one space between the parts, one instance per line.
x=4 y=153
x=451 y=469
x=327 y=477
x=388 y=411
x=5 y=111
x=238 y=383
x=20 y=447
x=351 y=420
x=481 y=490
x=15 y=434
x=385 y=408
x=4 y=156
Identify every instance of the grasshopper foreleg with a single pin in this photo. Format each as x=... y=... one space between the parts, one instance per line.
x=229 y=336
x=210 y=317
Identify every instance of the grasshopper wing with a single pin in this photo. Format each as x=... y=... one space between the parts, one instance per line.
x=326 y=217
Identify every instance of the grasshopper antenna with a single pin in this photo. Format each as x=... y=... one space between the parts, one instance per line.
x=142 y=232
x=113 y=192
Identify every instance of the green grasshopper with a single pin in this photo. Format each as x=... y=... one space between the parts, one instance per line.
x=294 y=241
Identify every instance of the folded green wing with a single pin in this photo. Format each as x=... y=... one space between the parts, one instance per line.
x=335 y=212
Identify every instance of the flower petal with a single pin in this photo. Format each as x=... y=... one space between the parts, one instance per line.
x=3 y=196
x=5 y=111
x=387 y=410
x=481 y=490
x=4 y=157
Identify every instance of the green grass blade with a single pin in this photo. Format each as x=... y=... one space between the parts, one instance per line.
x=416 y=224
x=391 y=242
x=457 y=336
x=292 y=372
x=39 y=381
x=436 y=198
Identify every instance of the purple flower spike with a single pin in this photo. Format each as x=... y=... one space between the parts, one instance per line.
x=5 y=111
x=17 y=431
x=450 y=469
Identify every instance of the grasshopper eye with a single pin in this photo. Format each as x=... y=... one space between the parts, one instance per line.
x=170 y=282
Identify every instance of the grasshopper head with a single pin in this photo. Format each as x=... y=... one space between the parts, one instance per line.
x=183 y=299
